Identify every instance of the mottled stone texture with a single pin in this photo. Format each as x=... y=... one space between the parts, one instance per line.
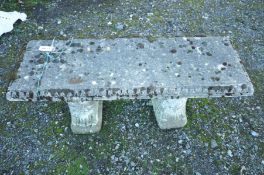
x=86 y=117
x=100 y=69
x=170 y=113
x=168 y=71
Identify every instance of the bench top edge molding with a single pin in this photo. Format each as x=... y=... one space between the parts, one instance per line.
x=130 y=68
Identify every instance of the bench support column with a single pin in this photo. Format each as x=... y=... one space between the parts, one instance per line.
x=170 y=113
x=86 y=117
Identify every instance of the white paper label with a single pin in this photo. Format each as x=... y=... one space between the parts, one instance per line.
x=46 y=48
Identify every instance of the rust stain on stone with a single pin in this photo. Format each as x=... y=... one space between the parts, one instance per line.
x=76 y=80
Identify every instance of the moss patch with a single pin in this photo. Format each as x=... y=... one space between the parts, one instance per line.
x=11 y=5
x=75 y=166
x=201 y=112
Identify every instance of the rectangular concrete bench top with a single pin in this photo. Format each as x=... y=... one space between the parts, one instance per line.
x=134 y=68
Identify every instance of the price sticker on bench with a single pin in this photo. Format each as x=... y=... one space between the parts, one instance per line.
x=46 y=48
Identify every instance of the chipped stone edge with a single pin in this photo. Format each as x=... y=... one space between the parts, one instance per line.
x=68 y=95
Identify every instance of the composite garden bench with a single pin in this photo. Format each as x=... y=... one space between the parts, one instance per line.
x=85 y=72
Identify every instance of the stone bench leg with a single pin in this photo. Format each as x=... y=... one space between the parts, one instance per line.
x=86 y=117
x=170 y=113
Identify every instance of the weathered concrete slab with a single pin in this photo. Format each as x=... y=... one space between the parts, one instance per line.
x=99 y=69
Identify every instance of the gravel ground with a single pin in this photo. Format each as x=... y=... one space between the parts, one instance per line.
x=223 y=136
